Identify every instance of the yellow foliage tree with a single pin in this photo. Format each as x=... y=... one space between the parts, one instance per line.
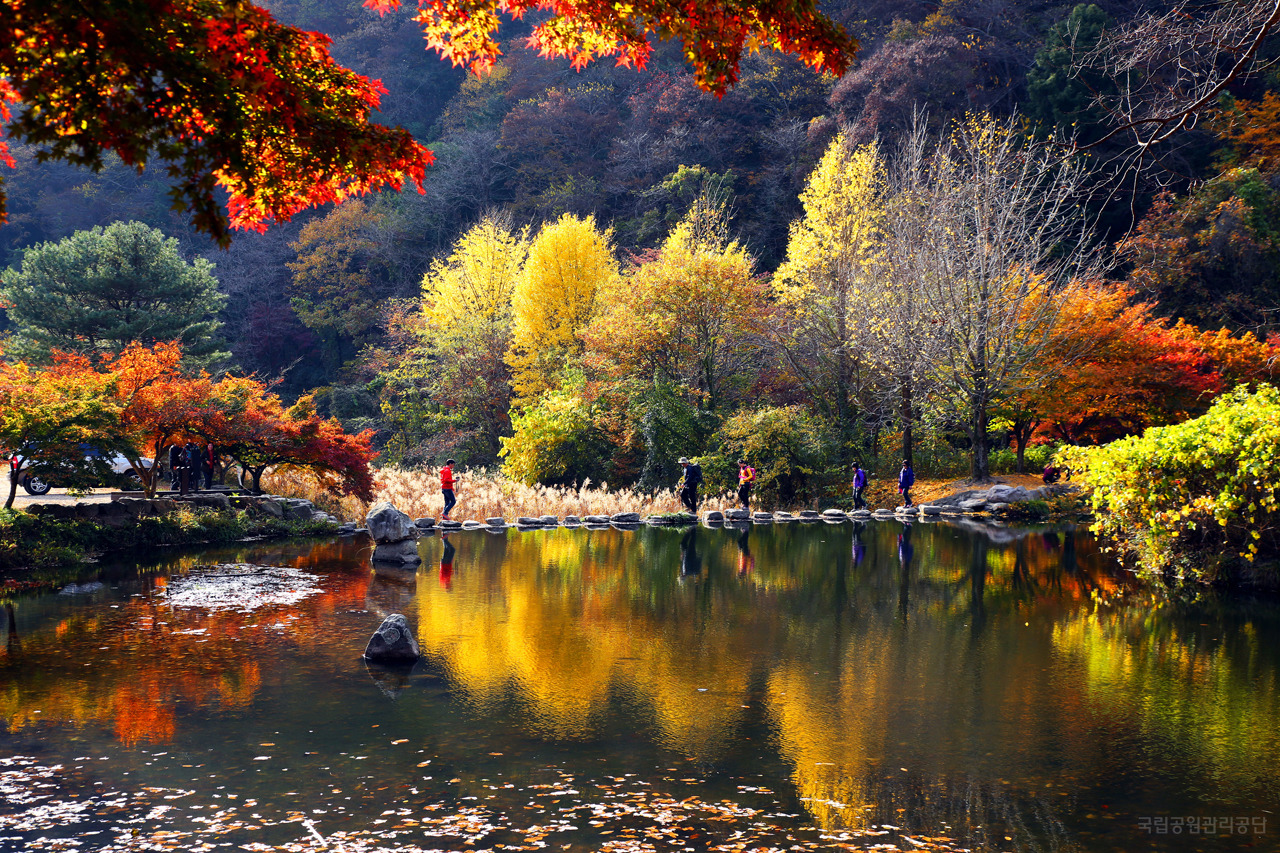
x=832 y=254
x=554 y=299
x=693 y=314
x=468 y=295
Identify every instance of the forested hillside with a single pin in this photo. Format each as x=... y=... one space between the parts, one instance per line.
x=335 y=300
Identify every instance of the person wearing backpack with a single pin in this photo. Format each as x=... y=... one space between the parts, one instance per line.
x=689 y=483
x=746 y=479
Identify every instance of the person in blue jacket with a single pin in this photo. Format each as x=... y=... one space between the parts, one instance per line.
x=906 y=479
x=859 y=484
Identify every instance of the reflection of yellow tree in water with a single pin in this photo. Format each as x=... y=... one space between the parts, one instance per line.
x=147 y=659
x=1214 y=705
x=567 y=628
x=833 y=732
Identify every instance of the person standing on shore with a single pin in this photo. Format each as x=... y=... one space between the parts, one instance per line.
x=746 y=479
x=906 y=479
x=179 y=473
x=689 y=484
x=859 y=484
x=446 y=488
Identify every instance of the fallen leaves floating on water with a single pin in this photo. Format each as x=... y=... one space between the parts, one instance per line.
x=46 y=810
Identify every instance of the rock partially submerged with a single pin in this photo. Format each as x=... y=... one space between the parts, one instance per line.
x=393 y=642
x=395 y=533
x=403 y=552
x=388 y=524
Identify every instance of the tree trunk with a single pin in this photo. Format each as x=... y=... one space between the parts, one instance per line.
x=257 y=478
x=908 y=437
x=1022 y=431
x=980 y=470
x=13 y=487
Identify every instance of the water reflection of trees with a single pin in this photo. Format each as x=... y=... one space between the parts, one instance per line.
x=959 y=658
x=149 y=659
x=922 y=656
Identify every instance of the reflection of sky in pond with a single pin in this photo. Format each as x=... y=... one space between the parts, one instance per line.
x=805 y=686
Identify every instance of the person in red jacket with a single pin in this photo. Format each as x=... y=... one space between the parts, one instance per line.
x=446 y=487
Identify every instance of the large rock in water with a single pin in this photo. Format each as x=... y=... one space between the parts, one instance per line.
x=388 y=524
x=393 y=642
x=403 y=552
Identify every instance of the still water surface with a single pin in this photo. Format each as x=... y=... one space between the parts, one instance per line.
x=799 y=687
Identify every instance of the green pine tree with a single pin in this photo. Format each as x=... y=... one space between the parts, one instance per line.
x=98 y=291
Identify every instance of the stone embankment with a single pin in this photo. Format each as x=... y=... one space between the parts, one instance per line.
x=123 y=511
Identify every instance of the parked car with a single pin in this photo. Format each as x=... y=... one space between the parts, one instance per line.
x=117 y=464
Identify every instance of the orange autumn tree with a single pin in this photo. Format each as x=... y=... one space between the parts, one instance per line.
x=46 y=414
x=232 y=103
x=1116 y=369
x=264 y=433
x=714 y=34
x=159 y=404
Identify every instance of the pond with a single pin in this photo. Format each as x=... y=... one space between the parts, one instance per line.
x=794 y=687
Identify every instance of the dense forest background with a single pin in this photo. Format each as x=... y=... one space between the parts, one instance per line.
x=319 y=302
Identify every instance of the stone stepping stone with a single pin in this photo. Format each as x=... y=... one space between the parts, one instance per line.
x=496 y=521
x=550 y=520
x=762 y=516
x=450 y=524
x=471 y=524
x=625 y=518
x=713 y=515
x=572 y=521
x=834 y=513
x=783 y=516
x=929 y=509
x=736 y=515
x=424 y=523
x=597 y=519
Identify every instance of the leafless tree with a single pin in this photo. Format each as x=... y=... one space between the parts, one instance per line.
x=1168 y=68
x=1002 y=229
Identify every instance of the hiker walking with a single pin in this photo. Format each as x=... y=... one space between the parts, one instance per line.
x=906 y=479
x=859 y=484
x=446 y=487
x=746 y=479
x=689 y=483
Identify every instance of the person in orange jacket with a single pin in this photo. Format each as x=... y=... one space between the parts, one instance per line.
x=746 y=479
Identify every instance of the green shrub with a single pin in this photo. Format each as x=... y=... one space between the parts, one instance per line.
x=555 y=442
x=1005 y=459
x=1180 y=496
x=788 y=446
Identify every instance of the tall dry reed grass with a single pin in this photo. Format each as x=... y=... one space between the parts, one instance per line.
x=481 y=494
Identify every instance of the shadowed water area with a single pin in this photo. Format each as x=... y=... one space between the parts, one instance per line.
x=797 y=687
